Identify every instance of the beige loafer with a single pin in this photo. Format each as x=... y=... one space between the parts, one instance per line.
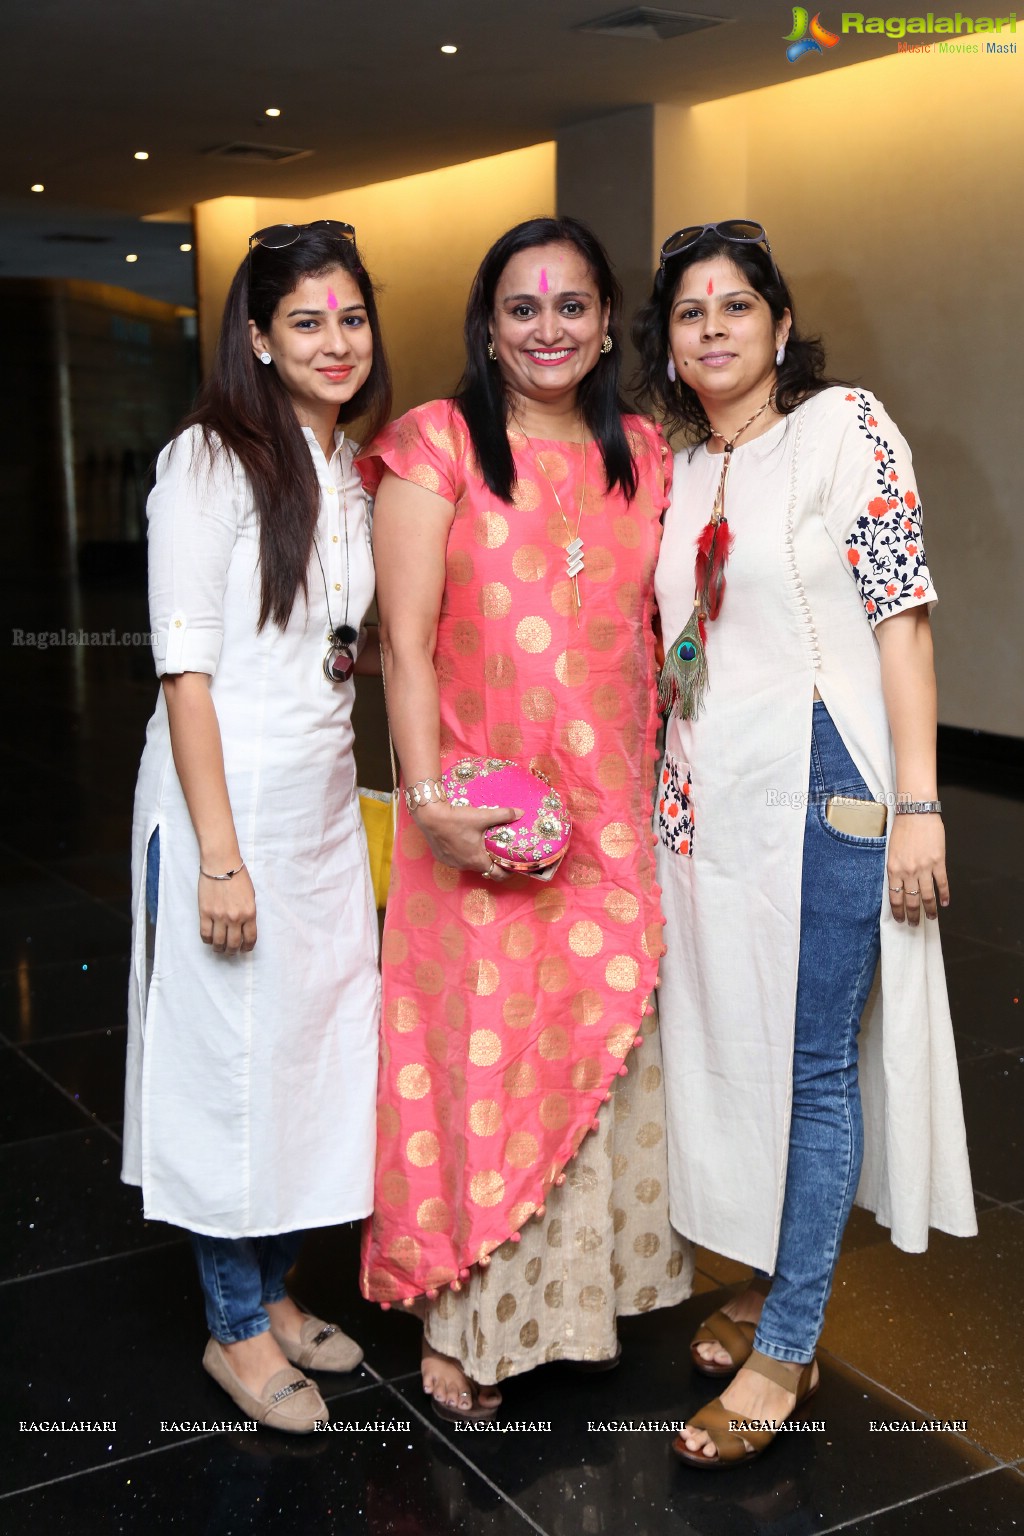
x=287 y=1402
x=322 y=1347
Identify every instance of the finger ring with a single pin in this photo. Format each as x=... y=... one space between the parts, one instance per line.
x=895 y=887
x=912 y=893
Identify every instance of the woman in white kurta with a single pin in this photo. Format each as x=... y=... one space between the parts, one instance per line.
x=253 y=1009
x=818 y=690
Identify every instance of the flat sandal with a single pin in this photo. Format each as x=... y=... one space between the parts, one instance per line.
x=730 y=1444
x=737 y=1339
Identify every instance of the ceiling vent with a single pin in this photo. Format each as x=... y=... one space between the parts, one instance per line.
x=648 y=22
x=264 y=154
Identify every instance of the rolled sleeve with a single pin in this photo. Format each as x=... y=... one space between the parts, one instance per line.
x=873 y=512
x=193 y=525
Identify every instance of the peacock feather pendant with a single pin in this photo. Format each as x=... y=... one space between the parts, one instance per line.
x=684 y=676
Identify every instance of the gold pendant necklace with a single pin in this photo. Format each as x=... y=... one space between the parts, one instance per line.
x=574 y=547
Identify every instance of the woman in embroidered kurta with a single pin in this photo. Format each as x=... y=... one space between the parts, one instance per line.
x=252 y=1056
x=776 y=903
x=510 y=1004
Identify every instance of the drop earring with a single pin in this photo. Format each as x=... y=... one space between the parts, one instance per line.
x=780 y=356
x=671 y=370
x=265 y=357
x=491 y=352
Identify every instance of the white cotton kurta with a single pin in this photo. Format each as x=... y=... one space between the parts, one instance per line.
x=826 y=521
x=250 y=1098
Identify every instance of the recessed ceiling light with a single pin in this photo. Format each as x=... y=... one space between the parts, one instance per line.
x=142 y=154
x=131 y=258
x=448 y=48
x=185 y=247
x=272 y=112
x=37 y=186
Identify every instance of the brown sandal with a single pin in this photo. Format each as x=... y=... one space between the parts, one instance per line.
x=731 y=1444
x=737 y=1339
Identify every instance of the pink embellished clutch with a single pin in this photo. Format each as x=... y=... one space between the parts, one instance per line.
x=540 y=836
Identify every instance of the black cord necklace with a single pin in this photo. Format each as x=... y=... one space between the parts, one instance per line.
x=339 y=663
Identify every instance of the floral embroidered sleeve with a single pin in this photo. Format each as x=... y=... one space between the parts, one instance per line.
x=873 y=511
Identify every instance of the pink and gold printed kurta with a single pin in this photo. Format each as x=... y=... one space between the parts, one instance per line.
x=509 y=1008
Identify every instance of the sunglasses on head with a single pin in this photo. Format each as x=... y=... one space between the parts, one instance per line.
x=277 y=237
x=742 y=231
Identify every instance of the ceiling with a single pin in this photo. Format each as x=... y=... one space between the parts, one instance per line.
x=363 y=87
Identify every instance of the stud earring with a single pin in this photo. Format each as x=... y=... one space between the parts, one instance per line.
x=780 y=357
x=607 y=345
x=265 y=357
x=671 y=370
x=491 y=352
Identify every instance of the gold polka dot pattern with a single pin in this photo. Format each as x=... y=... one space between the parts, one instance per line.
x=510 y=1007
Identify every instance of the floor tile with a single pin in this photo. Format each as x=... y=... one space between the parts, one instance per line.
x=74 y=997
x=89 y=1067
x=593 y=1472
x=398 y=1482
x=82 y=931
x=989 y=1505
x=29 y=1105
x=985 y=991
x=940 y=1328
x=134 y=1358
x=992 y=1091
x=62 y=1202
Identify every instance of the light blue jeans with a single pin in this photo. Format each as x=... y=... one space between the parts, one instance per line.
x=841 y=897
x=238 y=1275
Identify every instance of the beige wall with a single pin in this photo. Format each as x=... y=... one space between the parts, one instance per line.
x=422 y=237
x=892 y=194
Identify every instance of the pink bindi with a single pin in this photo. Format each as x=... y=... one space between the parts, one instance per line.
x=711 y=286
x=543 y=285
x=332 y=300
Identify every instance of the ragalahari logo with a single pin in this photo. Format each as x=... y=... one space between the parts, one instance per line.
x=800 y=42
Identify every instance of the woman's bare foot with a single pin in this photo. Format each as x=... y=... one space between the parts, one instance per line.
x=749 y=1396
x=446 y=1382
x=744 y=1308
x=287 y=1319
x=255 y=1360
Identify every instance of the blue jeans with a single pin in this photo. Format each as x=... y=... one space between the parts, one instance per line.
x=239 y=1275
x=841 y=897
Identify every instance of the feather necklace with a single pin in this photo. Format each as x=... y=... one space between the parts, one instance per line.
x=684 y=677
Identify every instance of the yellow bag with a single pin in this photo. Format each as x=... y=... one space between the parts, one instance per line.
x=380 y=813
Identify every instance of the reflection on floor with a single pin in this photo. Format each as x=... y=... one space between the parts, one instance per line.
x=102 y=1314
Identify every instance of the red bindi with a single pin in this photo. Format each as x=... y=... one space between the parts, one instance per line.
x=711 y=286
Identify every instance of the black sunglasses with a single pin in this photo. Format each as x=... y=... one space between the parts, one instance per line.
x=277 y=237
x=743 y=231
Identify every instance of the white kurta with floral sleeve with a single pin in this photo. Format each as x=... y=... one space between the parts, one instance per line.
x=251 y=1083
x=827 y=526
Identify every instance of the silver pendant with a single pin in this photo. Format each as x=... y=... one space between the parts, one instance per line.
x=574 y=557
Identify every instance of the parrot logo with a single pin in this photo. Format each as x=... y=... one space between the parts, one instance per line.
x=798 y=40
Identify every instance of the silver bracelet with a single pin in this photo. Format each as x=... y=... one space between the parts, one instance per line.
x=423 y=793
x=229 y=876
x=918 y=807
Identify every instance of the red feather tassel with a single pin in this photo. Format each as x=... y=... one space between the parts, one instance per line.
x=714 y=546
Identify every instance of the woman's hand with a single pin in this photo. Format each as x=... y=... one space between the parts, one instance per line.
x=227 y=913
x=455 y=834
x=916 y=867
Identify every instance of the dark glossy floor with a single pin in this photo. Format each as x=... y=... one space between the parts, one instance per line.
x=103 y=1320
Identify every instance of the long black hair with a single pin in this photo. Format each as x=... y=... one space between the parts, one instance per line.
x=801 y=374
x=247 y=407
x=481 y=395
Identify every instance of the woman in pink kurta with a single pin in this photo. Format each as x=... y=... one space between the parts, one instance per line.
x=512 y=1005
